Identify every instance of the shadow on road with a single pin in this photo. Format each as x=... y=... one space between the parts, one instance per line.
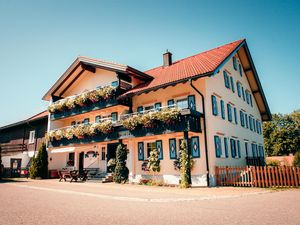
x=9 y=180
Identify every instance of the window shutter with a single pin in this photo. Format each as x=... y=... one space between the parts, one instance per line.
x=172 y=148
x=159 y=148
x=229 y=112
x=233 y=148
x=234 y=63
x=195 y=147
x=241 y=70
x=243 y=93
x=141 y=151
x=217 y=146
x=171 y=103
x=246 y=120
x=251 y=103
x=222 y=109
x=253 y=150
x=157 y=106
x=246 y=148
x=242 y=118
x=226 y=146
x=239 y=148
x=235 y=116
x=140 y=109
x=192 y=102
x=214 y=105
x=226 y=79
x=232 y=84
x=114 y=116
x=238 y=87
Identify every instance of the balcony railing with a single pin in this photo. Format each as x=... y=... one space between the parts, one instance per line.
x=7 y=148
x=188 y=120
x=255 y=161
x=90 y=105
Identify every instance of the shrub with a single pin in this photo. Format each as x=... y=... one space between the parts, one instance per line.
x=273 y=162
x=111 y=165
x=184 y=182
x=121 y=172
x=296 y=161
x=39 y=167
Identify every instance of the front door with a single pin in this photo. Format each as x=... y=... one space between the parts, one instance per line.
x=111 y=152
x=15 y=166
x=81 y=161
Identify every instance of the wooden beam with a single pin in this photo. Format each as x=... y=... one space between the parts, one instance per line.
x=88 y=68
x=247 y=69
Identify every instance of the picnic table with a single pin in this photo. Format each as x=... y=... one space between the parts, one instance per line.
x=73 y=175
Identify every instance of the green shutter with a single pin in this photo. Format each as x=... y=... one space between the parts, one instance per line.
x=226 y=146
x=195 y=147
x=141 y=151
x=172 y=148
x=159 y=148
x=192 y=102
x=239 y=148
x=217 y=146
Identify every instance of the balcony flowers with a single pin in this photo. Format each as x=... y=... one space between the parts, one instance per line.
x=106 y=127
x=58 y=134
x=81 y=130
x=70 y=103
x=69 y=133
x=168 y=115
x=94 y=96
x=132 y=122
x=82 y=99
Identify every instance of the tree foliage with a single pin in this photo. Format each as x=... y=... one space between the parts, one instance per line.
x=121 y=172
x=154 y=162
x=39 y=166
x=282 y=134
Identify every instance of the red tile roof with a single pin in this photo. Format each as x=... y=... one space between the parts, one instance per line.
x=38 y=116
x=202 y=63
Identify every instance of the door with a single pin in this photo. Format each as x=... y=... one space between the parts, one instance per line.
x=111 y=152
x=15 y=166
x=81 y=161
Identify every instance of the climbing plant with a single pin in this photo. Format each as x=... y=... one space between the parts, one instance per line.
x=121 y=172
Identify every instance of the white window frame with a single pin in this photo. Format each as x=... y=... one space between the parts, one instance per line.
x=31 y=138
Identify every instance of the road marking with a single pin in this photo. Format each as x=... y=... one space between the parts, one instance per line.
x=137 y=199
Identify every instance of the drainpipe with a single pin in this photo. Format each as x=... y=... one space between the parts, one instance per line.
x=204 y=127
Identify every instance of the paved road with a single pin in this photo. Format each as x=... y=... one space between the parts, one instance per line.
x=51 y=202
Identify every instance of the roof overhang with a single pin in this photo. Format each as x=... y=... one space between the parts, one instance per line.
x=82 y=64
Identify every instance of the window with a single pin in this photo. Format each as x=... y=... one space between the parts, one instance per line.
x=114 y=116
x=254 y=150
x=238 y=87
x=246 y=148
x=182 y=103
x=247 y=97
x=229 y=112
x=86 y=121
x=239 y=148
x=149 y=107
x=140 y=109
x=141 y=151
x=157 y=106
x=171 y=103
x=233 y=148
x=195 y=147
x=97 y=119
x=226 y=146
x=150 y=147
x=31 y=137
x=234 y=63
x=254 y=125
x=240 y=70
x=214 y=105
x=235 y=115
x=172 y=148
x=192 y=102
x=242 y=118
x=226 y=79
x=218 y=146
x=103 y=153
x=250 y=97
x=222 y=110
x=250 y=123
x=243 y=93
x=246 y=121
x=71 y=158
x=232 y=84
x=73 y=123
x=115 y=83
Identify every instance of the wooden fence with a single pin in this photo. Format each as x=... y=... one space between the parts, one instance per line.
x=258 y=176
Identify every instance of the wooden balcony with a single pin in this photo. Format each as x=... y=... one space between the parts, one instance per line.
x=8 y=148
x=189 y=120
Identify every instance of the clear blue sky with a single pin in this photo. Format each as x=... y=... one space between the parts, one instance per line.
x=40 y=39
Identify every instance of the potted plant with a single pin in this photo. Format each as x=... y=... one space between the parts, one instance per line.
x=70 y=103
x=80 y=131
x=82 y=99
x=131 y=122
x=58 y=134
x=106 y=127
x=147 y=120
x=169 y=115
x=69 y=133
x=93 y=96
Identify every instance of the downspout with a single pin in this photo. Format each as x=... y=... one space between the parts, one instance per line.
x=204 y=127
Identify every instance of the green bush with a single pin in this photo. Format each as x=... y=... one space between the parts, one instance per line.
x=121 y=172
x=184 y=182
x=296 y=161
x=39 y=167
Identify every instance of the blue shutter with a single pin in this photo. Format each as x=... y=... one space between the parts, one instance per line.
x=192 y=102
x=214 y=105
x=251 y=103
x=195 y=147
x=253 y=150
x=247 y=97
x=222 y=109
x=238 y=87
x=172 y=148
x=243 y=93
x=226 y=146
x=233 y=148
x=242 y=118
x=140 y=109
x=239 y=148
x=141 y=151
x=246 y=120
x=246 y=148
x=234 y=63
x=226 y=79
x=235 y=115
x=232 y=84
x=217 y=146
x=229 y=112
x=240 y=69
x=157 y=106
x=159 y=148
x=171 y=103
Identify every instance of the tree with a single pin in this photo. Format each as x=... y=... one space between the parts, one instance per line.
x=39 y=167
x=296 y=161
x=121 y=172
x=185 y=166
x=153 y=162
x=282 y=134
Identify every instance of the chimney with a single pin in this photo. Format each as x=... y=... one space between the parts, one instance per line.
x=167 y=57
